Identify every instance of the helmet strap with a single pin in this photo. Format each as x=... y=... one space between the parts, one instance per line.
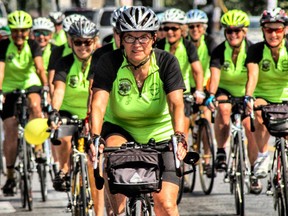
x=136 y=67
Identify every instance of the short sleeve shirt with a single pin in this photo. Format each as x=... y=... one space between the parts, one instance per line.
x=143 y=114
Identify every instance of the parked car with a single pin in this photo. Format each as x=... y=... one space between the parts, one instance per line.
x=101 y=17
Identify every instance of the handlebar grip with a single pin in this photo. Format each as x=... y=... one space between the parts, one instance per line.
x=252 y=118
x=177 y=161
x=52 y=134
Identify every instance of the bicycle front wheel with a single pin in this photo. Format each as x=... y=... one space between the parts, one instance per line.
x=284 y=177
x=239 y=175
x=139 y=206
x=206 y=151
x=41 y=169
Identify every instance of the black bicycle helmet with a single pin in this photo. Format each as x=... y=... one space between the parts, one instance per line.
x=84 y=29
x=137 y=18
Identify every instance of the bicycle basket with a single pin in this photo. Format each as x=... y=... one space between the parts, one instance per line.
x=134 y=171
x=275 y=118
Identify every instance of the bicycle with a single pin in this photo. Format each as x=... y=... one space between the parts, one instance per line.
x=26 y=163
x=237 y=173
x=202 y=142
x=79 y=193
x=278 y=176
x=139 y=199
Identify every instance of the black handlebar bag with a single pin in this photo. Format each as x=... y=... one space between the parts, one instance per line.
x=133 y=171
x=275 y=118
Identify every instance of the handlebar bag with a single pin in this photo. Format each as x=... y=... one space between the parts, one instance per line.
x=275 y=118
x=134 y=171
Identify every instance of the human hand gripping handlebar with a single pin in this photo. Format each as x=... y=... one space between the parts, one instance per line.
x=99 y=180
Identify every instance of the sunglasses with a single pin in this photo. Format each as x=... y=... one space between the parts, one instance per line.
x=271 y=30
x=19 y=30
x=166 y=28
x=79 y=43
x=161 y=29
x=194 y=26
x=236 y=30
x=39 y=33
x=142 y=40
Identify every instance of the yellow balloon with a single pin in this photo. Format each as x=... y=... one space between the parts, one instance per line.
x=35 y=131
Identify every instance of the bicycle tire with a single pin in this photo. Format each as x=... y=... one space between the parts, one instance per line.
x=189 y=179
x=205 y=136
x=139 y=206
x=29 y=176
x=181 y=185
x=239 y=177
x=41 y=169
x=75 y=190
x=284 y=177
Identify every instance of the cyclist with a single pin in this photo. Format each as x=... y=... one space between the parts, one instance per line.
x=228 y=77
x=266 y=62
x=62 y=50
x=186 y=53
x=71 y=92
x=131 y=88
x=59 y=36
x=197 y=24
x=160 y=32
x=21 y=67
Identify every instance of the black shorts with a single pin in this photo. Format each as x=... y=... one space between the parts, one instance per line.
x=169 y=173
x=9 y=107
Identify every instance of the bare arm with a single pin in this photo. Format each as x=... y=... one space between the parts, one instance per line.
x=90 y=93
x=41 y=70
x=58 y=94
x=2 y=72
x=176 y=108
x=51 y=74
x=214 y=80
x=198 y=75
x=253 y=72
x=98 y=108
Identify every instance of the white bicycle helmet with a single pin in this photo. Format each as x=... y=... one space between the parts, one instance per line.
x=196 y=16
x=115 y=15
x=43 y=23
x=174 y=15
x=67 y=22
x=83 y=29
x=56 y=17
x=138 y=18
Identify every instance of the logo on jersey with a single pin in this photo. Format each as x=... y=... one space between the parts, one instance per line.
x=124 y=87
x=266 y=64
x=226 y=65
x=285 y=66
x=73 y=81
x=10 y=57
x=154 y=90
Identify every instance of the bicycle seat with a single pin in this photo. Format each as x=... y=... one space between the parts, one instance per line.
x=191 y=158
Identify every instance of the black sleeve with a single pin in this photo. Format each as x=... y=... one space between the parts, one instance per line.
x=96 y=56
x=191 y=51
x=160 y=44
x=169 y=70
x=255 y=53
x=106 y=70
x=4 y=46
x=56 y=54
x=35 y=48
x=217 y=56
x=62 y=68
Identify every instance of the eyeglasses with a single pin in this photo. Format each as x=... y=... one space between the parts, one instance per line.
x=39 y=33
x=271 y=30
x=166 y=28
x=80 y=43
x=194 y=26
x=161 y=29
x=142 y=40
x=230 y=31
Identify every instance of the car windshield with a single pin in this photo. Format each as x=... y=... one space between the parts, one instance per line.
x=105 y=18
